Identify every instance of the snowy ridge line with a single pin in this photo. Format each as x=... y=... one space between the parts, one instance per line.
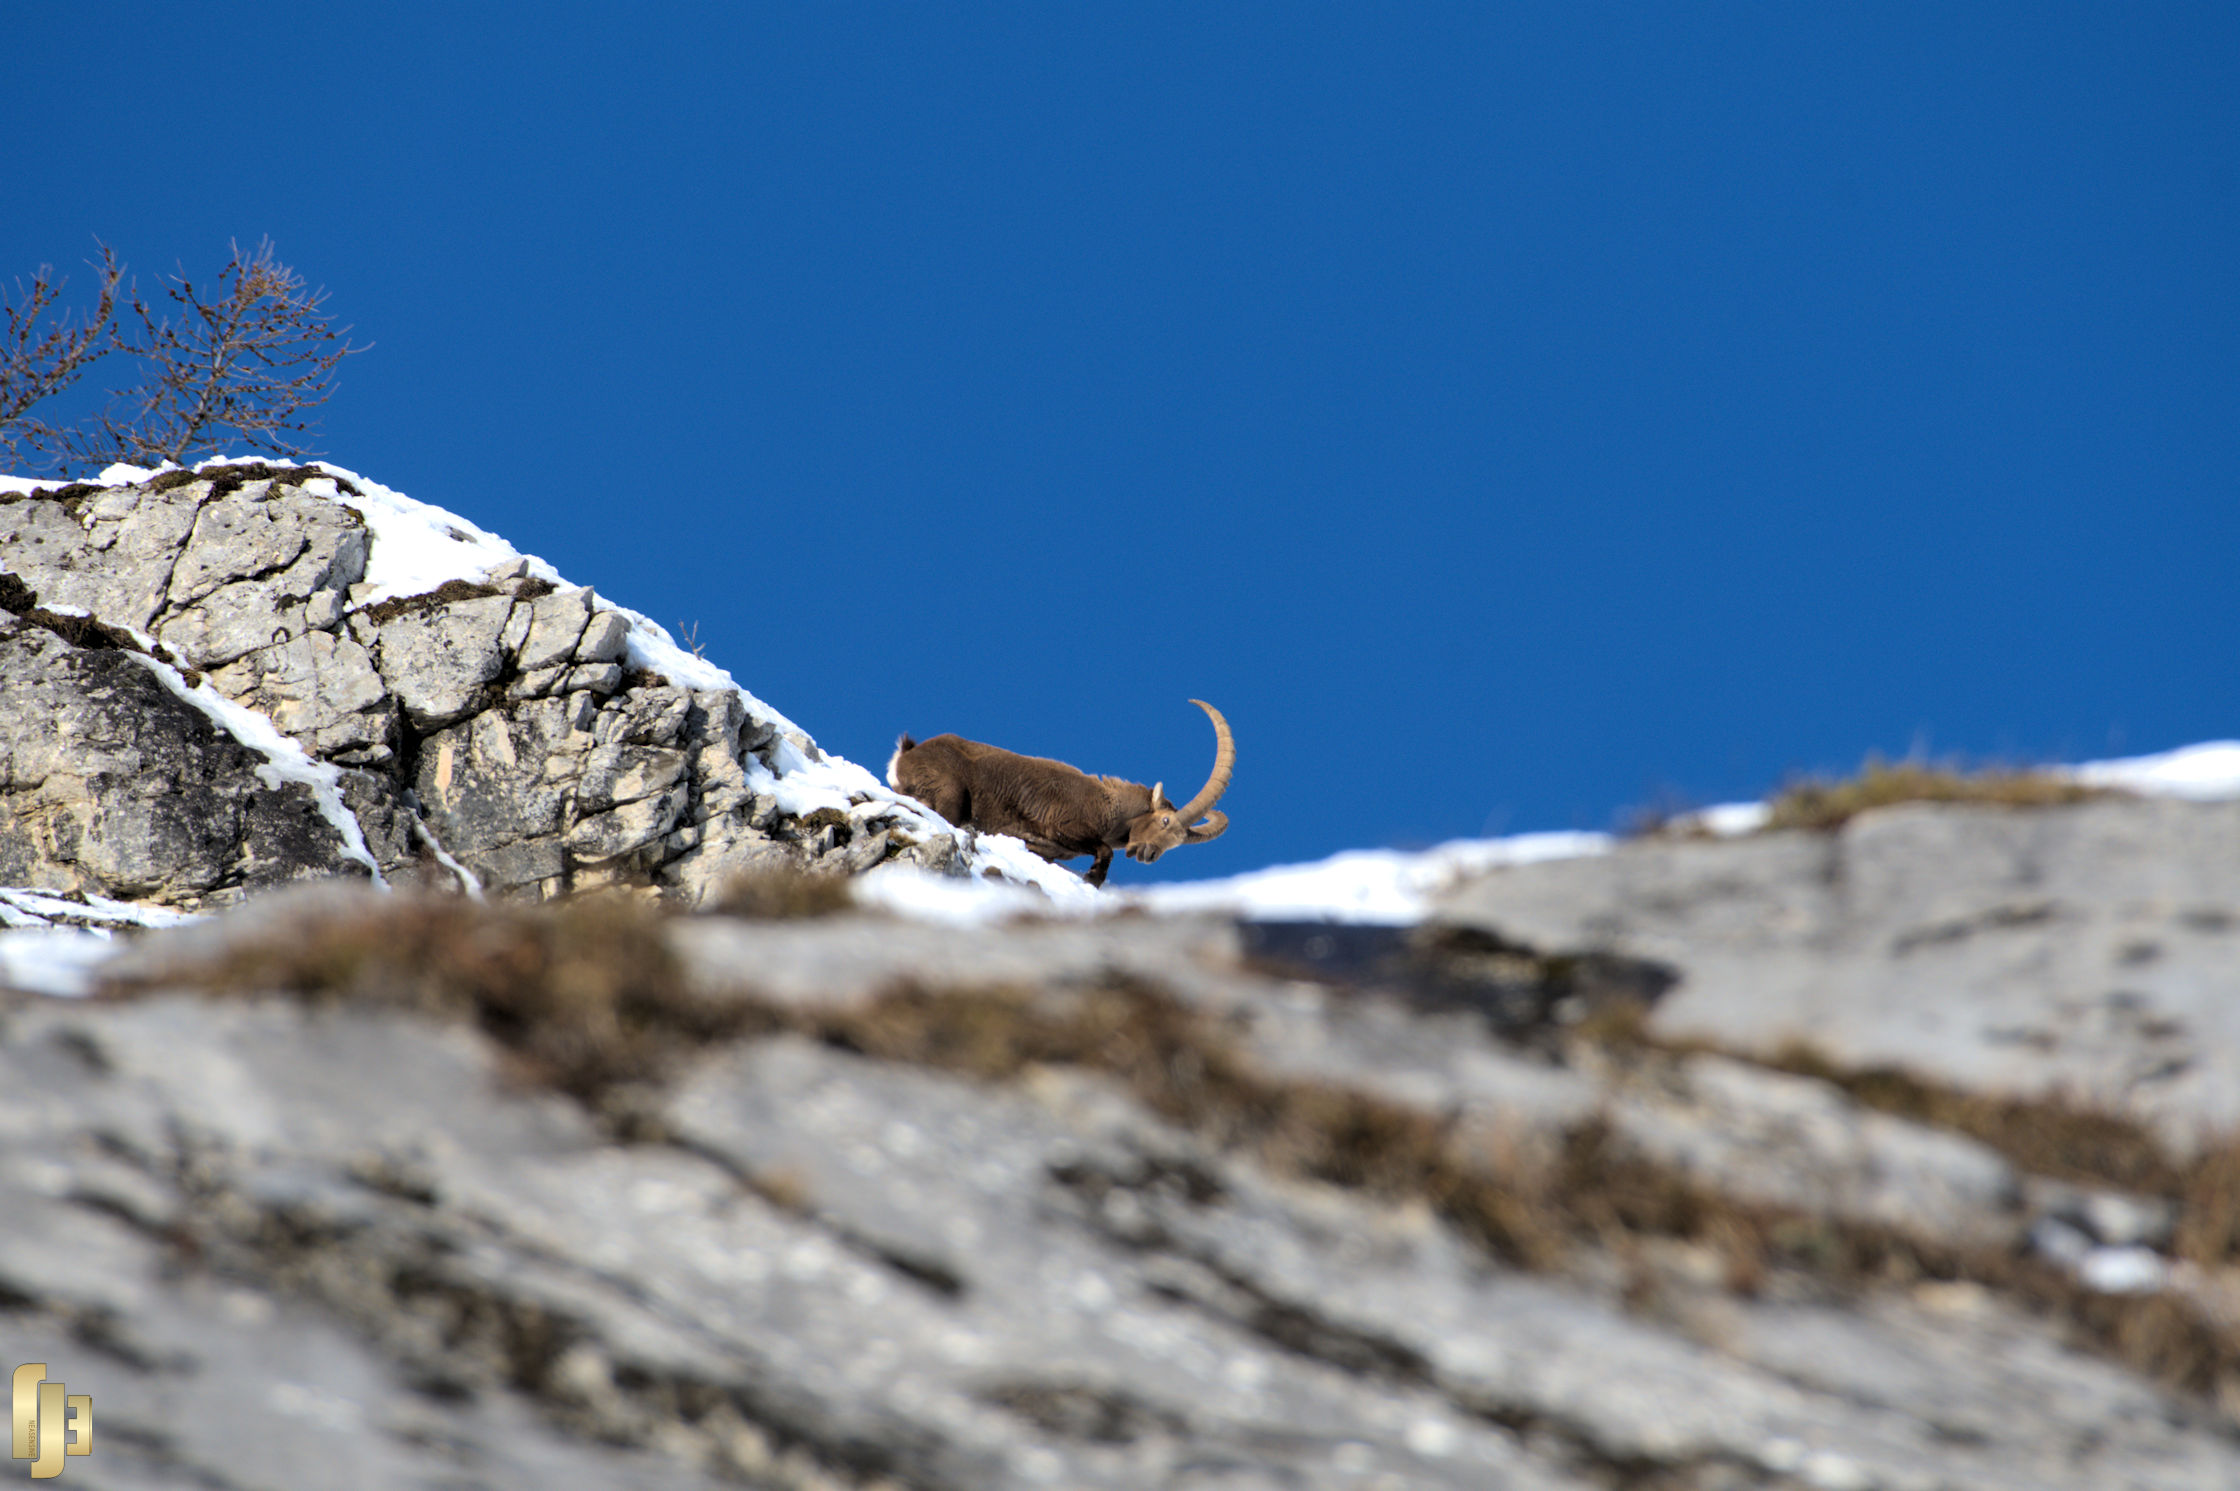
x=416 y=547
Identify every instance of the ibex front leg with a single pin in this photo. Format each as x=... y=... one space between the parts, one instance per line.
x=1097 y=871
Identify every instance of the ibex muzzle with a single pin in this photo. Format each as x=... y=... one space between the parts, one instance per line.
x=1060 y=810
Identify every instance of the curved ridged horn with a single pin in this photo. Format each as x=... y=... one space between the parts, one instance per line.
x=1224 y=762
x=1214 y=827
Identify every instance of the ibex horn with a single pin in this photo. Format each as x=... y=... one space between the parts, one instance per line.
x=1224 y=762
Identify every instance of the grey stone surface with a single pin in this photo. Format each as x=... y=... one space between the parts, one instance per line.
x=1798 y=1142
x=798 y=1266
x=112 y=557
x=556 y=626
x=442 y=657
x=323 y=690
x=603 y=638
x=2090 y=952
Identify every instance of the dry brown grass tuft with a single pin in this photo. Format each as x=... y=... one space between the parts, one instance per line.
x=784 y=895
x=2208 y=1230
x=1537 y=1211
x=1182 y=1065
x=584 y=993
x=1824 y=805
x=2045 y=1136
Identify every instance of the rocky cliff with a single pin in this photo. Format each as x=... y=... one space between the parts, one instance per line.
x=1894 y=1156
x=218 y=680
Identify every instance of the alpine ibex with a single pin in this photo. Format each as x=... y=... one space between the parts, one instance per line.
x=1060 y=810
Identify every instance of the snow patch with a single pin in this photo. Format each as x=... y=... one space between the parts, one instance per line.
x=922 y=895
x=1377 y=886
x=57 y=961
x=45 y=946
x=416 y=546
x=2208 y=772
x=25 y=907
x=1729 y=820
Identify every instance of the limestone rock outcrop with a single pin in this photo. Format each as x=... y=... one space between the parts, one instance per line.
x=493 y=724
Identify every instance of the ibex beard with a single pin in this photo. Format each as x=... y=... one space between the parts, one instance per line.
x=1061 y=811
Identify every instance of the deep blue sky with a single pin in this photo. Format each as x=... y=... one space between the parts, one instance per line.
x=1508 y=415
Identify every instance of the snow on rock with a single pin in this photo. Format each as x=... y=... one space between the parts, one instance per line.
x=51 y=943
x=417 y=547
x=284 y=761
x=18 y=485
x=2208 y=772
x=1396 y=887
x=22 y=906
x=1728 y=820
x=906 y=890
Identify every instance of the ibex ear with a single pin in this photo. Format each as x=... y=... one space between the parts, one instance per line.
x=1158 y=790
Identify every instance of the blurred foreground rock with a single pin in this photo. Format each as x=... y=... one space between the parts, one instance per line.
x=1596 y=1183
x=2088 y=952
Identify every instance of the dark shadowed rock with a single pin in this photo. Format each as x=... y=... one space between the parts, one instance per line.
x=113 y=784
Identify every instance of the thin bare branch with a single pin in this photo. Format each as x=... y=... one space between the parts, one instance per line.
x=245 y=364
x=36 y=363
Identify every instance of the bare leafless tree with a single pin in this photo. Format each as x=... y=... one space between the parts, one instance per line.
x=243 y=364
x=36 y=363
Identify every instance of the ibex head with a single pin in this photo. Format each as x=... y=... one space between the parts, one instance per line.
x=1165 y=825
